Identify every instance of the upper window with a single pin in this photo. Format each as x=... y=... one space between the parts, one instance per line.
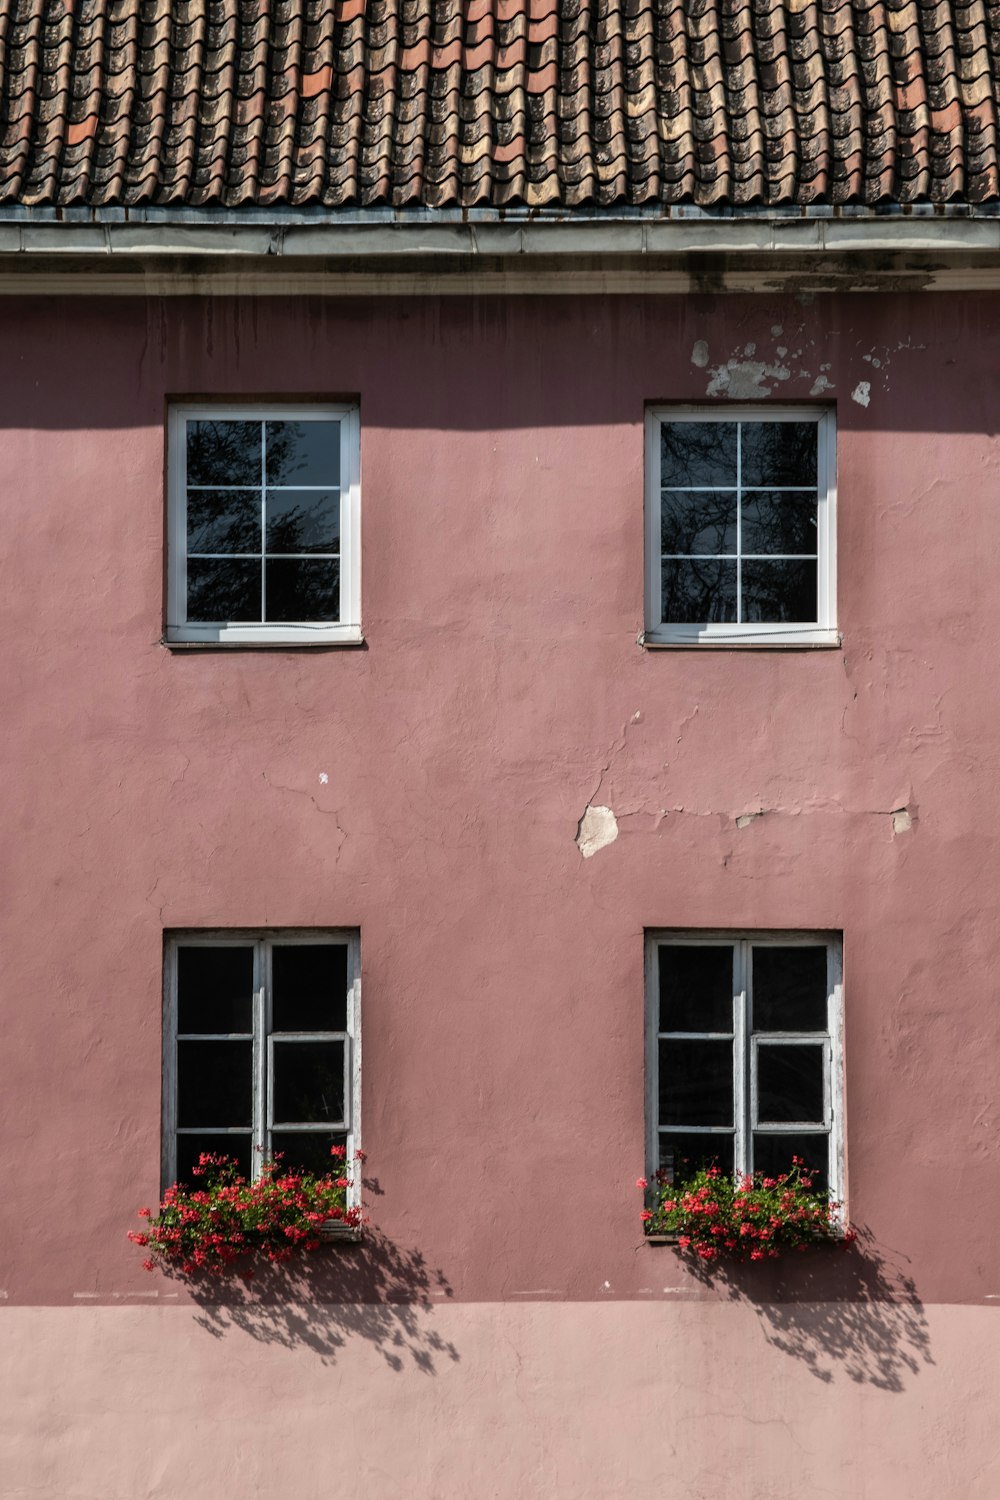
x=744 y=1054
x=740 y=527
x=261 y=1049
x=263 y=524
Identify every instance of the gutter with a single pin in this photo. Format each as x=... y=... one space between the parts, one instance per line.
x=208 y=251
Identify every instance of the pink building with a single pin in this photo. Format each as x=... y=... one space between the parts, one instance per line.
x=500 y=546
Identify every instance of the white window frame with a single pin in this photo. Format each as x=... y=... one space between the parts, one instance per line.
x=820 y=632
x=745 y=1044
x=346 y=630
x=262 y=941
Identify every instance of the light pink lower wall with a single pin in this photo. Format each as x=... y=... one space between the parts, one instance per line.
x=580 y=1401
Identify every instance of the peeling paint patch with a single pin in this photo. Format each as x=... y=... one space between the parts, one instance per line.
x=744 y=379
x=596 y=830
x=699 y=354
x=902 y=821
x=862 y=392
x=820 y=385
x=745 y=819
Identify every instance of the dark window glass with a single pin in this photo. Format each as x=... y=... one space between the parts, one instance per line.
x=681 y=1155
x=220 y=590
x=223 y=521
x=302 y=589
x=190 y=1147
x=789 y=989
x=303 y=452
x=790 y=1083
x=214 y=989
x=774 y=592
x=696 y=1083
x=308 y=1082
x=778 y=521
x=697 y=453
x=309 y=987
x=223 y=452
x=696 y=593
x=696 y=988
x=772 y=1155
x=779 y=453
x=310 y=1151
x=303 y=520
x=701 y=521
x=214 y=1083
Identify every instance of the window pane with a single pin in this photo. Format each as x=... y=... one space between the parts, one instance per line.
x=219 y=590
x=303 y=590
x=303 y=452
x=698 y=593
x=777 y=453
x=190 y=1147
x=779 y=591
x=310 y=1152
x=696 y=1083
x=789 y=989
x=214 y=989
x=696 y=988
x=223 y=452
x=772 y=1155
x=779 y=521
x=303 y=520
x=697 y=453
x=223 y=521
x=309 y=987
x=215 y=1083
x=308 y=1082
x=790 y=1083
x=698 y=521
x=683 y=1155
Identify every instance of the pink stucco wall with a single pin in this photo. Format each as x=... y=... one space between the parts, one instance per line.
x=500 y=686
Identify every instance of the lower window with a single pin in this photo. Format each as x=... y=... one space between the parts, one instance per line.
x=261 y=1053
x=744 y=1054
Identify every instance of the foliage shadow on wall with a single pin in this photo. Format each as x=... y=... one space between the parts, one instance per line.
x=852 y=1310
x=372 y=1290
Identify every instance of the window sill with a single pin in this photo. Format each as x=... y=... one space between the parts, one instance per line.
x=340 y=1234
x=814 y=640
x=352 y=640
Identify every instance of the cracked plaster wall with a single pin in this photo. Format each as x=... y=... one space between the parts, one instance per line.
x=428 y=788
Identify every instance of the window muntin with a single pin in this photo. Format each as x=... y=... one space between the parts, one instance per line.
x=264 y=524
x=740 y=528
x=261 y=1048
x=744 y=1053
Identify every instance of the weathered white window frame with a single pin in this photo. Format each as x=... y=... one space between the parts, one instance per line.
x=262 y=1036
x=820 y=632
x=346 y=630
x=745 y=1042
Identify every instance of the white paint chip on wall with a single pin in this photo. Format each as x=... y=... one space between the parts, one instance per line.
x=598 y=828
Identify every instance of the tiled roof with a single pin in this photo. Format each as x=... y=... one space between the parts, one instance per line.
x=551 y=104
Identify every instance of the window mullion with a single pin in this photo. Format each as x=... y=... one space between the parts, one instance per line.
x=739 y=523
x=741 y=1101
x=261 y=1028
x=263 y=523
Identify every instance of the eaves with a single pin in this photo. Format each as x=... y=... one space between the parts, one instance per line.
x=151 y=251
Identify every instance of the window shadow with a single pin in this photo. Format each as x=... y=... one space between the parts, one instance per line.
x=372 y=1290
x=850 y=1310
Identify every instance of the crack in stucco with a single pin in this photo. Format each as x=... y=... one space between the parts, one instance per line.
x=327 y=812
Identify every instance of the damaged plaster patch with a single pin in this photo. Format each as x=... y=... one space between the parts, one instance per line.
x=862 y=393
x=596 y=830
x=699 y=354
x=744 y=379
x=745 y=819
x=902 y=820
x=820 y=385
